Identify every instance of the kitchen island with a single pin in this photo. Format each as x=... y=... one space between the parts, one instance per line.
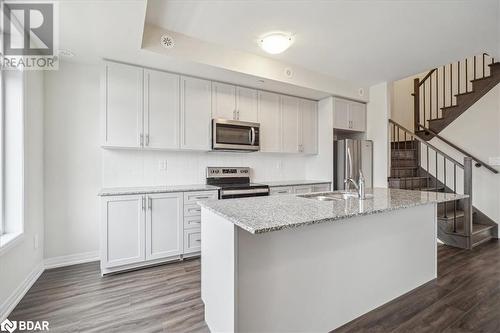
x=296 y=263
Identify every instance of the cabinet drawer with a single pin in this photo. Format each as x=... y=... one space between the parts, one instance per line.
x=321 y=188
x=281 y=190
x=302 y=189
x=192 y=210
x=193 y=197
x=191 y=222
x=192 y=240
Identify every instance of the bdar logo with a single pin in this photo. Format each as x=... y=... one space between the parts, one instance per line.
x=8 y=326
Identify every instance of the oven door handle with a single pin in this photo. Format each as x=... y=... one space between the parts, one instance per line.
x=252 y=135
x=237 y=192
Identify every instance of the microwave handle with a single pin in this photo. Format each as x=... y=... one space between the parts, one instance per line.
x=252 y=131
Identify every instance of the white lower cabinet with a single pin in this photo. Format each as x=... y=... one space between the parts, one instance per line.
x=164 y=225
x=123 y=230
x=302 y=189
x=299 y=189
x=140 y=230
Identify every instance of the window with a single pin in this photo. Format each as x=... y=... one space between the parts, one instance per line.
x=11 y=156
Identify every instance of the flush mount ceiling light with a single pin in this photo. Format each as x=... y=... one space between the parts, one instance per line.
x=276 y=42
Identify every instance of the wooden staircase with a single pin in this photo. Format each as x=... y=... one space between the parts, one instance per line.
x=447 y=92
x=418 y=165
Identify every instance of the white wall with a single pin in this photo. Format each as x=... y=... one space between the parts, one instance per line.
x=76 y=167
x=72 y=160
x=378 y=114
x=22 y=262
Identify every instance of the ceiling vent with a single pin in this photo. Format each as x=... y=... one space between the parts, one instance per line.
x=167 y=41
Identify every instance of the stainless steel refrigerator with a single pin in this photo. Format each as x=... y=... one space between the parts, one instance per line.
x=350 y=156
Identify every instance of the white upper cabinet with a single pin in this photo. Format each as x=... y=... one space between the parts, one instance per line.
x=290 y=124
x=122 y=97
x=246 y=104
x=224 y=101
x=195 y=113
x=349 y=115
x=309 y=128
x=358 y=116
x=161 y=110
x=269 y=115
x=234 y=103
x=164 y=225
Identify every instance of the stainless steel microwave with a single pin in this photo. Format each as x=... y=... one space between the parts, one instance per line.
x=233 y=135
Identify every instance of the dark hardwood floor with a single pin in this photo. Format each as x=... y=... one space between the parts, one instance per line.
x=464 y=298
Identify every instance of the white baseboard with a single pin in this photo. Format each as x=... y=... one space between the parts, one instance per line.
x=12 y=301
x=72 y=259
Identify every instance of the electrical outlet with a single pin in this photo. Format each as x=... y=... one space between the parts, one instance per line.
x=162 y=165
x=35 y=241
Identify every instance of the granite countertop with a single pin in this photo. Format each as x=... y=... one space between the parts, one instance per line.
x=155 y=189
x=263 y=214
x=295 y=182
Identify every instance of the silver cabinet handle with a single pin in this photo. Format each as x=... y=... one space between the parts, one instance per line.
x=147 y=139
x=203 y=197
x=252 y=131
x=141 y=139
x=143 y=203
x=198 y=240
x=238 y=114
x=150 y=203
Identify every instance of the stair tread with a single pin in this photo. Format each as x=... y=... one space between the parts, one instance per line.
x=465 y=93
x=477 y=228
x=404 y=167
x=451 y=216
x=494 y=64
x=431 y=189
x=481 y=78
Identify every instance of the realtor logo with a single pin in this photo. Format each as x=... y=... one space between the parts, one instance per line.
x=8 y=326
x=28 y=35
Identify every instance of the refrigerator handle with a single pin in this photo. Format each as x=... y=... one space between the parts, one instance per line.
x=349 y=157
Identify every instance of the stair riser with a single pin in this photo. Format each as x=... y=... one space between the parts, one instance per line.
x=404 y=154
x=481 y=236
x=404 y=145
x=404 y=163
x=447 y=225
x=408 y=184
x=404 y=173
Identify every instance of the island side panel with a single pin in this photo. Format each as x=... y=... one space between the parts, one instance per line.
x=319 y=277
x=218 y=289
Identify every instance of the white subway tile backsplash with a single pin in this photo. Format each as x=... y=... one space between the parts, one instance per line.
x=141 y=168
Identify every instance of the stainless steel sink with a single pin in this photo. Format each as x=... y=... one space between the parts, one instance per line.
x=331 y=196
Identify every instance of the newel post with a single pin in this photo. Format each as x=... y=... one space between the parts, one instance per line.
x=468 y=201
x=416 y=104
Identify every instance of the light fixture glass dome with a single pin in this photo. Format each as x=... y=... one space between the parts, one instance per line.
x=276 y=42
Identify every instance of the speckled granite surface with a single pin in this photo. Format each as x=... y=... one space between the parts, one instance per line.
x=294 y=182
x=155 y=189
x=263 y=214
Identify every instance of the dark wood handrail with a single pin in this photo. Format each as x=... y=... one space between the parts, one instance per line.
x=427 y=76
x=454 y=146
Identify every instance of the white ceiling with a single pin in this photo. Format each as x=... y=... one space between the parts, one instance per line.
x=362 y=41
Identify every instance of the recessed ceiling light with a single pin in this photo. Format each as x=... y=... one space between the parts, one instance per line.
x=276 y=42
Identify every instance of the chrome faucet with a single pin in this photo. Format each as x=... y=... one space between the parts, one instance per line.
x=360 y=185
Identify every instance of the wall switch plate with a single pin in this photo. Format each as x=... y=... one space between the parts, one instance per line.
x=494 y=160
x=162 y=165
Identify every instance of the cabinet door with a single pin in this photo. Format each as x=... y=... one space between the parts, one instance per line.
x=195 y=113
x=270 y=121
x=290 y=124
x=161 y=116
x=357 y=112
x=164 y=225
x=246 y=104
x=122 y=97
x=123 y=227
x=341 y=114
x=223 y=101
x=321 y=188
x=309 y=126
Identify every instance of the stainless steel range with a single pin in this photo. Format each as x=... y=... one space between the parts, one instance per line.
x=235 y=183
